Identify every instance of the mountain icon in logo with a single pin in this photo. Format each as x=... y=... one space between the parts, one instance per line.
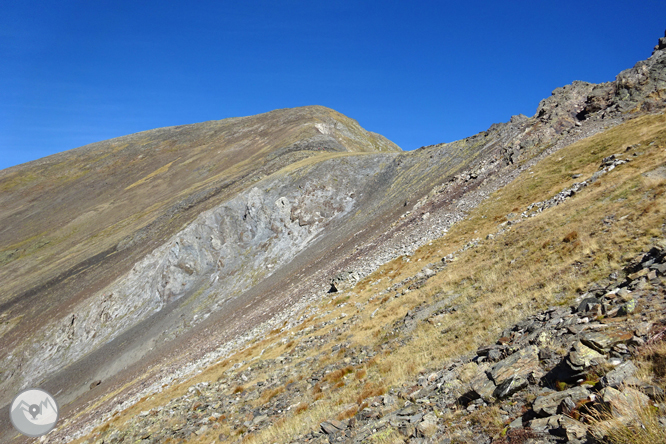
x=34 y=412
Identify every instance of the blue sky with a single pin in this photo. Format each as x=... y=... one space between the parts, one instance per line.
x=418 y=72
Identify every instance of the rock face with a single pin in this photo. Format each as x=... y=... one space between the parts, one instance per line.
x=206 y=229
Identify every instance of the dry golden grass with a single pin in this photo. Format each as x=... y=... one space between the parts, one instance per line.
x=489 y=419
x=301 y=408
x=350 y=412
x=545 y=260
x=631 y=423
x=370 y=390
x=337 y=375
x=269 y=394
x=653 y=362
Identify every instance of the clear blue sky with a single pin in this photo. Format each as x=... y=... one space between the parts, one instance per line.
x=418 y=72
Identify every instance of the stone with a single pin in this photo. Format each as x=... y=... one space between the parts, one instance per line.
x=332 y=426
x=510 y=386
x=547 y=405
x=567 y=405
x=546 y=354
x=619 y=374
x=543 y=425
x=602 y=342
x=389 y=400
x=259 y=419
x=587 y=304
x=582 y=357
x=624 y=403
x=662 y=44
x=623 y=293
x=414 y=419
x=519 y=364
x=627 y=308
x=659 y=268
x=407 y=430
x=484 y=387
x=421 y=393
x=201 y=431
x=655 y=393
x=410 y=410
x=178 y=424
x=573 y=429
x=343 y=281
x=639 y=274
x=428 y=426
x=494 y=355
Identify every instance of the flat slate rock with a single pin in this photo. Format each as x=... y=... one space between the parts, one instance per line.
x=521 y=363
x=332 y=426
x=547 y=405
x=484 y=387
x=619 y=374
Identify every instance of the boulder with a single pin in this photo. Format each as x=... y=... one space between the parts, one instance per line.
x=619 y=374
x=332 y=426
x=548 y=405
x=520 y=364
x=483 y=387
x=428 y=426
x=582 y=357
x=543 y=425
x=625 y=403
x=573 y=429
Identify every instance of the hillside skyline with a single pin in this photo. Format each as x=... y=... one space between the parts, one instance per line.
x=78 y=74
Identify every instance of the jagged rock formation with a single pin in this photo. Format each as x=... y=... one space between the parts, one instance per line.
x=164 y=244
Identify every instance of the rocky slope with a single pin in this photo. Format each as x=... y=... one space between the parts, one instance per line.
x=540 y=381
x=198 y=247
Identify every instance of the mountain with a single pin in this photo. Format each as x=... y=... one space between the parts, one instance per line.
x=132 y=264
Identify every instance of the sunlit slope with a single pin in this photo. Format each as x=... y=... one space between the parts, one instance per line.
x=494 y=273
x=72 y=222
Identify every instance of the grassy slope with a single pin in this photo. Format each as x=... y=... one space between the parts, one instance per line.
x=501 y=280
x=99 y=208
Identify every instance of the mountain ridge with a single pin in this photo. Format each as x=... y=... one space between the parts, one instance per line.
x=326 y=213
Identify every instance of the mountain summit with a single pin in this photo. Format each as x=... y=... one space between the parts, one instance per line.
x=132 y=264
